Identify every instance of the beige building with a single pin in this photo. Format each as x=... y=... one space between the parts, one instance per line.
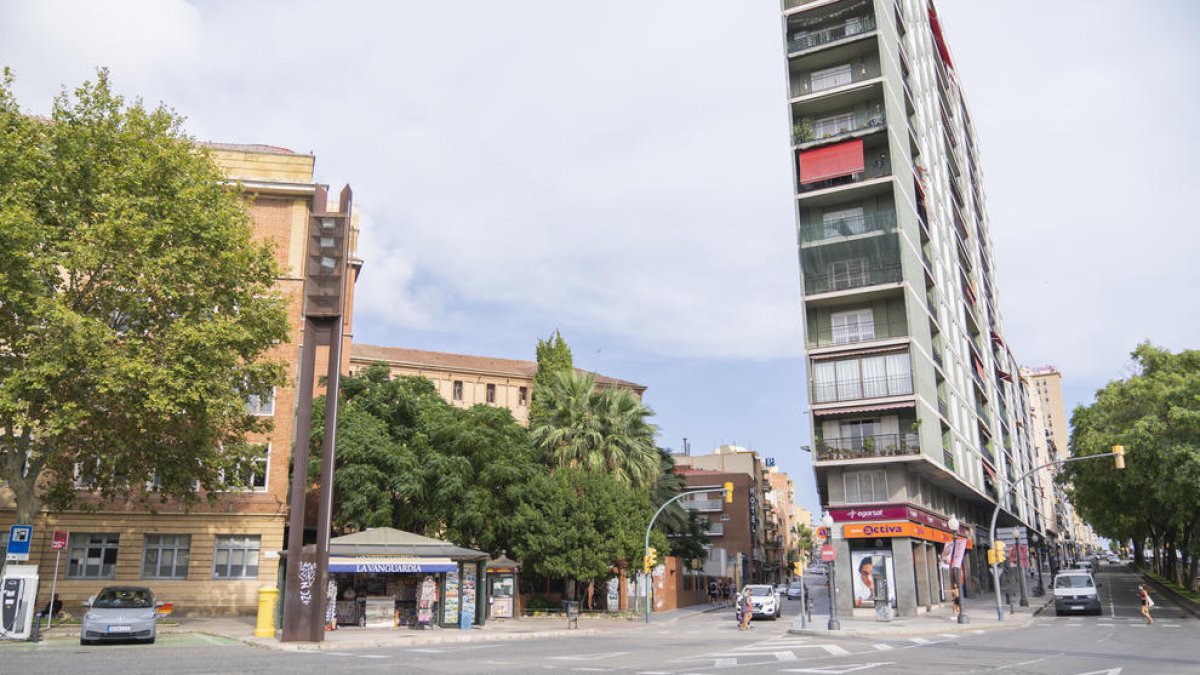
x=211 y=558
x=1047 y=390
x=465 y=380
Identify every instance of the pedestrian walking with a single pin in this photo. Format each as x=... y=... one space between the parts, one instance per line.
x=1147 y=603
x=712 y=592
x=747 y=609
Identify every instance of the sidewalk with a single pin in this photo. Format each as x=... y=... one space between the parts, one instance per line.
x=980 y=610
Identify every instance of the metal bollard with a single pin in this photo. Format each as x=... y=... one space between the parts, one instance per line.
x=35 y=631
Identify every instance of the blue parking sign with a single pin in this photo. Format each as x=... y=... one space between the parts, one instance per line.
x=20 y=538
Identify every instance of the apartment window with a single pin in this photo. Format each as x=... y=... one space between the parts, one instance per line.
x=236 y=557
x=523 y=395
x=850 y=273
x=491 y=393
x=856 y=326
x=166 y=556
x=831 y=77
x=92 y=555
x=252 y=474
x=833 y=125
x=858 y=430
x=867 y=377
x=844 y=222
x=865 y=487
x=458 y=390
x=261 y=405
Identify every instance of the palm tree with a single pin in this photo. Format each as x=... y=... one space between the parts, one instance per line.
x=606 y=430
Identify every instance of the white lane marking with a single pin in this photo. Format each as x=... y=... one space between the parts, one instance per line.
x=1171 y=625
x=785 y=656
x=835 y=650
x=589 y=657
x=952 y=636
x=724 y=663
x=883 y=647
x=919 y=640
x=427 y=650
x=979 y=632
x=357 y=656
x=837 y=670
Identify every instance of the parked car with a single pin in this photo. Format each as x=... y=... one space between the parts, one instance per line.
x=1085 y=565
x=818 y=568
x=1076 y=591
x=794 y=590
x=120 y=613
x=781 y=588
x=765 y=601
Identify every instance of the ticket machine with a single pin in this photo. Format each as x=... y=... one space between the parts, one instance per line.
x=18 y=598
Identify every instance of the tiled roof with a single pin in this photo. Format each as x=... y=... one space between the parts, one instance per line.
x=248 y=147
x=488 y=364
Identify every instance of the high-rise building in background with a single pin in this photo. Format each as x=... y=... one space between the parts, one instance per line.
x=916 y=405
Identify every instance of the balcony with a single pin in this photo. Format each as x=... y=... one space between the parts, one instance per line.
x=805 y=83
x=867 y=447
x=827 y=336
x=792 y=4
x=843 y=228
x=852 y=276
x=864 y=388
x=943 y=408
x=811 y=131
x=704 y=505
x=878 y=166
x=715 y=530
x=837 y=30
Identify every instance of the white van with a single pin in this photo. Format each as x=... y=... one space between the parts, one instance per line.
x=1075 y=591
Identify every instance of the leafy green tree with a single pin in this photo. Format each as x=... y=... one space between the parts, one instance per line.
x=407 y=459
x=601 y=431
x=579 y=524
x=805 y=538
x=1155 y=414
x=553 y=357
x=135 y=307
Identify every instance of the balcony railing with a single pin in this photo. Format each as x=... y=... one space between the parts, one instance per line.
x=875 y=168
x=843 y=280
x=715 y=529
x=844 y=30
x=836 y=230
x=822 y=80
x=791 y=4
x=868 y=447
x=943 y=408
x=864 y=388
x=807 y=130
x=826 y=336
x=703 y=505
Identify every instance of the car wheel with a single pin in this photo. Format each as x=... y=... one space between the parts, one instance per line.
x=84 y=643
x=151 y=640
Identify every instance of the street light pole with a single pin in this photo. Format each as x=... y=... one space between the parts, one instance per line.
x=996 y=512
x=727 y=490
x=834 y=624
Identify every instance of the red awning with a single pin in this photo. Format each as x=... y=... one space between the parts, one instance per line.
x=832 y=161
x=899 y=405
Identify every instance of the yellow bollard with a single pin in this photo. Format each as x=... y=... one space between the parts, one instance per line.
x=267 y=598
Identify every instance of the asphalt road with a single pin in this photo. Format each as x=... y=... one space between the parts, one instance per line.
x=1117 y=643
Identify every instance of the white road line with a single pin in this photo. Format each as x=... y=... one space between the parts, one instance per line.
x=952 y=636
x=654 y=672
x=979 y=632
x=883 y=647
x=785 y=656
x=427 y=650
x=589 y=657
x=835 y=650
x=837 y=670
x=724 y=663
x=919 y=640
x=1171 y=625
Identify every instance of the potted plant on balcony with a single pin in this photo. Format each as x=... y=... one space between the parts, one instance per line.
x=802 y=132
x=868 y=445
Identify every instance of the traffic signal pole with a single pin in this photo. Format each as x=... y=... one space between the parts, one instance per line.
x=727 y=489
x=1118 y=453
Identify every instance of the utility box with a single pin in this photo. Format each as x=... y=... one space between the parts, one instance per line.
x=18 y=598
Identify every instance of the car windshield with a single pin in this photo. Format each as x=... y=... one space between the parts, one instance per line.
x=132 y=598
x=760 y=590
x=794 y=584
x=1073 y=581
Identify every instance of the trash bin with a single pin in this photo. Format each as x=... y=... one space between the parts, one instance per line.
x=572 y=609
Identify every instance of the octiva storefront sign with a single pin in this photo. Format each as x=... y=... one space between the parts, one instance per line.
x=894 y=529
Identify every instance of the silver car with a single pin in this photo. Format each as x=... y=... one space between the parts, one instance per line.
x=119 y=613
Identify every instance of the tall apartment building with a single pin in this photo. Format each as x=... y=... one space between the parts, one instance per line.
x=916 y=407
x=213 y=557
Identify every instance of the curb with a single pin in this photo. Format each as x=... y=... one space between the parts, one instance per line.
x=276 y=645
x=1186 y=604
x=904 y=631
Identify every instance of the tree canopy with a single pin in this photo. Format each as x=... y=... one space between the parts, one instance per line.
x=135 y=307
x=1155 y=415
x=553 y=357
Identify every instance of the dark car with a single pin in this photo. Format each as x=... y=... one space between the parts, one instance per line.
x=121 y=613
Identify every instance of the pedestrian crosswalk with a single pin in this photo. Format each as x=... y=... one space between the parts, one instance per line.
x=790 y=648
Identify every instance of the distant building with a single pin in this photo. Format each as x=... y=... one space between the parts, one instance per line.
x=465 y=380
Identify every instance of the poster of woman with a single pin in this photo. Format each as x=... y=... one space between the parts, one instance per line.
x=872 y=572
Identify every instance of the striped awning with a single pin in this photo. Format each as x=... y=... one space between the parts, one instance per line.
x=390 y=565
x=898 y=405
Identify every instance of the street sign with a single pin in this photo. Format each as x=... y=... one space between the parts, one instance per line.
x=20 y=538
x=822 y=532
x=59 y=542
x=827 y=553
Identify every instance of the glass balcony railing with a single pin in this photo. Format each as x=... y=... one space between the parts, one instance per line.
x=863 y=388
x=943 y=408
x=808 y=130
x=837 y=229
x=843 y=29
x=792 y=4
x=850 y=277
x=831 y=78
x=827 y=336
x=875 y=168
x=868 y=447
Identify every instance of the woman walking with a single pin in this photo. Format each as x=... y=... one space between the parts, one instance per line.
x=1147 y=603
x=745 y=610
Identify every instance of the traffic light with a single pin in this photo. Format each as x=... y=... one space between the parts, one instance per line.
x=991 y=555
x=798 y=568
x=728 y=492
x=1000 y=555
x=1119 y=455
x=651 y=560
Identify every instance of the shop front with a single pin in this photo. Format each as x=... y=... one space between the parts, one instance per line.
x=503 y=582
x=385 y=576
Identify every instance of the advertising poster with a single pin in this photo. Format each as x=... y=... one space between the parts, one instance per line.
x=873 y=573
x=614 y=593
x=450 y=606
x=468 y=597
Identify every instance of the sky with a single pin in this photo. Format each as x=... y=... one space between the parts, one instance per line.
x=620 y=172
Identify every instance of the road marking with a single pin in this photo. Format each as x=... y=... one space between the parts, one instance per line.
x=589 y=657
x=785 y=656
x=357 y=656
x=979 y=632
x=427 y=650
x=952 y=636
x=724 y=663
x=883 y=647
x=919 y=640
x=834 y=650
x=1171 y=625
x=838 y=670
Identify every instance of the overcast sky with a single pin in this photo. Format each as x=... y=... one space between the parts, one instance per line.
x=620 y=171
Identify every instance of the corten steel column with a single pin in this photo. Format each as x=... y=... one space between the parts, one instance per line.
x=304 y=601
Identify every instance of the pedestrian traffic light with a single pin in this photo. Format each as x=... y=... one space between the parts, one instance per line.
x=991 y=556
x=1000 y=555
x=728 y=486
x=651 y=560
x=798 y=568
x=1119 y=455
